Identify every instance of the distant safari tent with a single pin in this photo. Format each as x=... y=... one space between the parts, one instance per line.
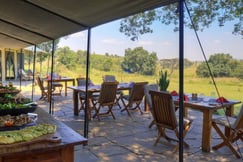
x=12 y=61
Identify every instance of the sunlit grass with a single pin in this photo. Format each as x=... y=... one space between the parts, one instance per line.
x=230 y=88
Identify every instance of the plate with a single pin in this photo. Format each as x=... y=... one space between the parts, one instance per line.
x=213 y=103
x=17 y=127
x=18 y=111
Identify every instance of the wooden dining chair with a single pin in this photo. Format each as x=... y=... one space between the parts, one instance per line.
x=25 y=76
x=105 y=99
x=112 y=78
x=57 y=86
x=236 y=131
x=43 y=89
x=147 y=88
x=165 y=117
x=109 y=78
x=82 y=82
x=135 y=97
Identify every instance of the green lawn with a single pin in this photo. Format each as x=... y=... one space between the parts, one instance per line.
x=230 y=88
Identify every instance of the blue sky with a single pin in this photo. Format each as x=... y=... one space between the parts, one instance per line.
x=164 y=41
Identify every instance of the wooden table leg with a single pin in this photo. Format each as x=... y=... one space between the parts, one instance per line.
x=185 y=112
x=89 y=104
x=229 y=112
x=146 y=106
x=75 y=103
x=65 y=88
x=207 y=130
x=67 y=154
x=48 y=91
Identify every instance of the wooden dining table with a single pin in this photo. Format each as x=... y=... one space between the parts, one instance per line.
x=45 y=148
x=207 y=106
x=91 y=89
x=59 y=79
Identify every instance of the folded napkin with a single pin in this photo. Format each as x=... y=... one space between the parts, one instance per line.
x=174 y=93
x=221 y=100
x=185 y=98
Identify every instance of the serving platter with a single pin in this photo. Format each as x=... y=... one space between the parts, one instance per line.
x=17 y=111
x=49 y=138
x=8 y=122
x=6 y=128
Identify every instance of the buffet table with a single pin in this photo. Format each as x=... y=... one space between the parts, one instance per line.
x=43 y=150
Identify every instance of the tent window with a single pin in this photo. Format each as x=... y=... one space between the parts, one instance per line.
x=10 y=65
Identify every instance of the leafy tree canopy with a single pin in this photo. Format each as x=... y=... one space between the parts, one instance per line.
x=173 y=64
x=47 y=46
x=203 y=13
x=221 y=65
x=139 y=60
x=66 y=57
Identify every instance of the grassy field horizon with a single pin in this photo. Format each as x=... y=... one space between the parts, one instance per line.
x=230 y=88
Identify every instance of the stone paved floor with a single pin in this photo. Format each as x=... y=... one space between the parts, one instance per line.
x=130 y=139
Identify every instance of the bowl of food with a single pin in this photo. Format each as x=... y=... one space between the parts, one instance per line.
x=17 y=109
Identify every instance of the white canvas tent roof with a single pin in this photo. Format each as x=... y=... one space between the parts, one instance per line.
x=29 y=22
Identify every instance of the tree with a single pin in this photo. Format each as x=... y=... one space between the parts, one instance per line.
x=66 y=57
x=239 y=70
x=47 y=46
x=203 y=13
x=140 y=61
x=202 y=70
x=82 y=56
x=221 y=65
x=107 y=64
x=173 y=64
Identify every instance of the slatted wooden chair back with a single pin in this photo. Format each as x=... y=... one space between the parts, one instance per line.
x=236 y=131
x=164 y=111
x=165 y=117
x=112 y=78
x=40 y=83
x=137 y=92
x=238 y=124
x=44 y=94
x=147 y=88
x=108 y=93
x=135 y=97
x=109 y=78
x=106 y=99
x=82 y=81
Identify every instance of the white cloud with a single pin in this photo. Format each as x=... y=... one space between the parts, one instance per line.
x=145 y=43
x=166 y=43
x=217 y=41
x=152 y=43
x=77 y=35
x=112 y=41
